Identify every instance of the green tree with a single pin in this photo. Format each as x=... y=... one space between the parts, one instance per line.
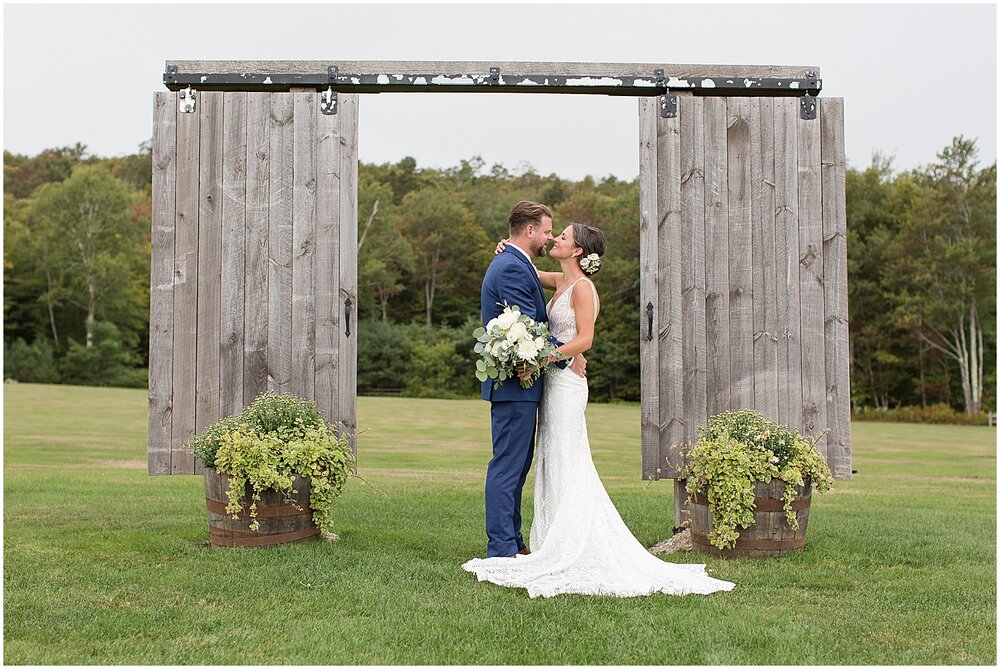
x=385 y=256
x=85 y=226
x=945 y=264
x=449 y=248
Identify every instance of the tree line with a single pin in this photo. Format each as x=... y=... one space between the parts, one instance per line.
x=921 y=256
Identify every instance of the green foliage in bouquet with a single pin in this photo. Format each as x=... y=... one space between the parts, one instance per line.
x=508 y=341
x=733 y=451
x=270 y=444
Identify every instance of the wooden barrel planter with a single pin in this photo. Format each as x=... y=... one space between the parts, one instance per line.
x=769 y=534
x=280 y=521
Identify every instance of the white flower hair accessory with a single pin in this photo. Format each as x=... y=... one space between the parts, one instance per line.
x=591 y=263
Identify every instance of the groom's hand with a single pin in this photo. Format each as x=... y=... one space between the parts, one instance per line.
x=579 y=365
x=523 y=373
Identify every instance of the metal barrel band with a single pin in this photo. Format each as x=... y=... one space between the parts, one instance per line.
x=753 y=544
x=238 y=539
x=763 y=504
x=262 y=511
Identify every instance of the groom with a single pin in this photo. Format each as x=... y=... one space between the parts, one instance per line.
x=512 y=278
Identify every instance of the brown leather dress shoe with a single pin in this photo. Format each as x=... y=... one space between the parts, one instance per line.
x=524 y=551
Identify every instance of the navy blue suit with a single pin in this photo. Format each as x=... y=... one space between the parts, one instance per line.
x=514 y=410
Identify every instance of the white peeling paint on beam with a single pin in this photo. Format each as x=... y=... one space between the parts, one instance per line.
x=527 y=82
x=595 y=81
x=794 y=84
x=645 y=83
x=453 y=79
x=382 y=79
x=674 y=82
x=707 y=83
x=267 y=80
x=204 y=78
x=355 y=80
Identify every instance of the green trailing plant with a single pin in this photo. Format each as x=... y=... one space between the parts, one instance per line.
x=738 y=448
x=274 y=442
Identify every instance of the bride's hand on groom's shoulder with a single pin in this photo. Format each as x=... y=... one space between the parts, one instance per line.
x=501 y=245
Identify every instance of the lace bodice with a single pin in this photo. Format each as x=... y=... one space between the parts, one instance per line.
x=562 y=317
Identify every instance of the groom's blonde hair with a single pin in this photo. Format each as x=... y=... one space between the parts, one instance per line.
x=525 y=213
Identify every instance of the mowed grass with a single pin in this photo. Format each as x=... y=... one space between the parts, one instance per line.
x=106 y=565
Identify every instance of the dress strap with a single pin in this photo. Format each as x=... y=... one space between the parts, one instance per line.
x=593 y=290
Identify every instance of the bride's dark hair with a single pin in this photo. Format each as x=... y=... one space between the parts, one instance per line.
x=590 y=239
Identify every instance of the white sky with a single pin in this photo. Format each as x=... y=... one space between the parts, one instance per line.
x=913 y=76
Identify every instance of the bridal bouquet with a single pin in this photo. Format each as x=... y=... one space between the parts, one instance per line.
x=509 y=341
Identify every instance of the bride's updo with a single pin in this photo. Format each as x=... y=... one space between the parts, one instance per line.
x=591 y=240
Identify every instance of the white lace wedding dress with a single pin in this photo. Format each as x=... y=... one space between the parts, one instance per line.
x=579 y=543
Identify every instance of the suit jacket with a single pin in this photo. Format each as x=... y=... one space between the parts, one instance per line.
x=512 y=278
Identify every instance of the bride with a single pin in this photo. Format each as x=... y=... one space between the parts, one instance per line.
x=579 y=543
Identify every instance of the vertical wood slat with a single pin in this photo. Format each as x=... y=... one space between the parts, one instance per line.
x=765 y=338
x=669 y=224
x=185 y=308
x=717 y=256
x=210 y=108
x=740 y=260
x=811 y=298
x=255 y=296
x=303 y=325
x=328 y=317
x=838 y=387
x=648 y=290
x=348 y=342
x=786 y=247
x=234 y=191
x=279 y=278
x=692 y=250
x=161 y=294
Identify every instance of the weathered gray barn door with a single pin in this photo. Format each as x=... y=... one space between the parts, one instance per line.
x=743 y=271
x=254 y=260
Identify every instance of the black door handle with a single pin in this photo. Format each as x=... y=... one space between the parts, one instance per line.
x=649 y=315
x=347 y=317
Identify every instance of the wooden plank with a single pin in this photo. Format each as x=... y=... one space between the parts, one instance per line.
x=328 y=168
x=210 y=108
x=234 y=196
x=649 y=112
x=679 y=71
x=185 y=293
x=303 y=325
x=347 y=345
x=161 y=278
x=740 y=260
x=765 y=306
x=669 y=223
x=811 y=300
x=716 y=257
x=786 y=252
x=279 y=278
x=255 y=290
x=692 y=238
x=838 y=385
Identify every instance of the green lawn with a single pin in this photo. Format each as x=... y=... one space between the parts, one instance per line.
x=105 y=565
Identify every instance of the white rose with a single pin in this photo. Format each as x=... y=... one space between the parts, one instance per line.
x=539 y=343
x=507 y=318
x=517 y=331
x=489 y=326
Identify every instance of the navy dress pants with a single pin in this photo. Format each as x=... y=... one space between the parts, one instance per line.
x=513 y=448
